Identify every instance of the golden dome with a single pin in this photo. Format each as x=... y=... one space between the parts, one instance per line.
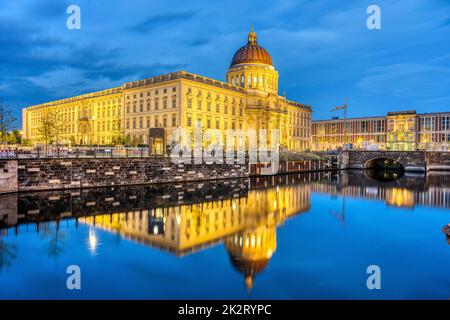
x=249 y=268
x=251 y=53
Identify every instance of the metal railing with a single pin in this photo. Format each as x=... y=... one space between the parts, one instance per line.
x=76 y=152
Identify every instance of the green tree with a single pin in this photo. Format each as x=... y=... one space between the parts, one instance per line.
x=6 y=121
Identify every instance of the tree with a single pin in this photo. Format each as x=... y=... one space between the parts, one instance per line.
x=8 y=253
x=118 y=132
x=6 y=121
x=50 y=126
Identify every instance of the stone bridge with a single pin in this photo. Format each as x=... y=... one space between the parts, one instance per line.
x=419 y=161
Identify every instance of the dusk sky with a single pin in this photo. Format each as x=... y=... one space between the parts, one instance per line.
x=322 y=49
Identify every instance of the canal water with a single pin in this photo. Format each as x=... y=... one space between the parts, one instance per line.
x=302 y=236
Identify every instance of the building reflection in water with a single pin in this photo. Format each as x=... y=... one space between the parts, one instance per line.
x=247 y=225
x=242 y=214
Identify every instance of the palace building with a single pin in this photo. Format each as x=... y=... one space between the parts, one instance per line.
x=93 y=118
x=148 y=111
x=399 y=131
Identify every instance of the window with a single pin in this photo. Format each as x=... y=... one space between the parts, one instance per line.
x=217 y=124
x=199 y=105
x=334 y=128
x=208 y=106
x=156 y=122
x=364 y=126
x=427 y=124
x=165 y=103
x=379 y=126
x=156 y=104
x=189 y=103
x=446 y=123
x=217 y=107
x=446 y=137
x=174 y=120
x=189 y=121
x=174 y=102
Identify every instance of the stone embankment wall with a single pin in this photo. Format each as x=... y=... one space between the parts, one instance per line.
x=437 y=160
x=419 y=161
x=47 y=174
x=8 y=176
x=53 y=173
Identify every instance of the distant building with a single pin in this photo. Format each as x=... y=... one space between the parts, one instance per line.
x=249 y=99
x=401 y=131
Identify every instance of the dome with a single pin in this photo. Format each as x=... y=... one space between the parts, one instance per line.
x=251 y=53
x=249 y=268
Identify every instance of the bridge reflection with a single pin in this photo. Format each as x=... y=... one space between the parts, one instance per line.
x=243 y=214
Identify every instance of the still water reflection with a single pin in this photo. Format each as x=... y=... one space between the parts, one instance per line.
x=292 y=236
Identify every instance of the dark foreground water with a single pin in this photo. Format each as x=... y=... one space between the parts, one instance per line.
x=303 y=236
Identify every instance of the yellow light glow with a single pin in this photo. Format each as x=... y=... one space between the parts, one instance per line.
x=92 y=241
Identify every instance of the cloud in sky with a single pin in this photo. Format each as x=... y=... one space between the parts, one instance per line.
x=154 y=22
x=322 y=49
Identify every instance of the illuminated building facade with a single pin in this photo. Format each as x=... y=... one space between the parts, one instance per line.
x=93 y=118
x=399 y=131
x=246 y=225
x=249 y=99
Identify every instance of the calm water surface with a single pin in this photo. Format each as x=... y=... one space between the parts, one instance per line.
x=302 y=236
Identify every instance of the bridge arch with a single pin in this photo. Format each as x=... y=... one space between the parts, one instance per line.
x=384 y=163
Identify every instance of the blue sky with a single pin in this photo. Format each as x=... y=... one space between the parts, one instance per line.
x=322 y=49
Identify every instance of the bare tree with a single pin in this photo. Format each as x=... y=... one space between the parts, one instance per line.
x=8 y=253
x=50 y=126
x=6 y=121
x=118 y=132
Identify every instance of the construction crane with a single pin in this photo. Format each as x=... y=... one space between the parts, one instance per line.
x=344 y=127
x=344 y=108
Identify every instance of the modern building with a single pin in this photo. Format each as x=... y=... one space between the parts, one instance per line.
x=248 y=99
x=400 y=131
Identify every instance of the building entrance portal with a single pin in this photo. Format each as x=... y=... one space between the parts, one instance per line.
x=157 y=141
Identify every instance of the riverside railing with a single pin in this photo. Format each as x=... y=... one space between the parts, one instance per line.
x=76 y=152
